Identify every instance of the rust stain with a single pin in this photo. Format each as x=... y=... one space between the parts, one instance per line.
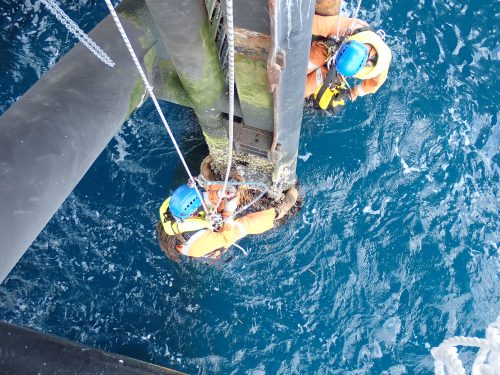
x=251 y=43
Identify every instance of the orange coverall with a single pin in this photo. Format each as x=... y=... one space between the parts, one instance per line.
x=316 y=70
x=205 y=241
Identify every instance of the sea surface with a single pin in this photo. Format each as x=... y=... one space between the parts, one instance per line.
x=394 y=250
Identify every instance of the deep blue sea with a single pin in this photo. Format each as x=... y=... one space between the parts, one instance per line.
x=395 y=249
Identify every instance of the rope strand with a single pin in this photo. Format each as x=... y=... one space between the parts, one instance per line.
x=446 y=360
x=230 y=45
x=149 y=88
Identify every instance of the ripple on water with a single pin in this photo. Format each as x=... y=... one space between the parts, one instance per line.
x=396 y=246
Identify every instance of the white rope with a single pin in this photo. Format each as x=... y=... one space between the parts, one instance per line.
x=152 y=95
x=77 y=32
x=338 y=25
x=446 y=360
x=230 y=45
x=355 y=15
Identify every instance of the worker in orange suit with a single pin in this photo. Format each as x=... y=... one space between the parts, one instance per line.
x=343 y=50
x=185 y=229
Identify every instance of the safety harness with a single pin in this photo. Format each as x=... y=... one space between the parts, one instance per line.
x=328 y=95
x=184 y=231
x=331 y=94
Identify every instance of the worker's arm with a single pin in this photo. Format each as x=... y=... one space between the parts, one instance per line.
x=254 y=223
x=369 y=86
x=328 y=25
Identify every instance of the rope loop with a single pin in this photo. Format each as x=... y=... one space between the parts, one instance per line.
x=446 y=360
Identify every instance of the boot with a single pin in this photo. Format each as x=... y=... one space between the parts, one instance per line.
x=206 y=168
x=284 y=206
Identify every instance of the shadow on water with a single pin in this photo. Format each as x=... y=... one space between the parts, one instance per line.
x=395 y=248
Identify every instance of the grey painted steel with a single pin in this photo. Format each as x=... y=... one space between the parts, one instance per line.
x=51 y=136
x=26 y=351
x=294 y=38
x=185 y=33
x=252 y=39
x=251 y=15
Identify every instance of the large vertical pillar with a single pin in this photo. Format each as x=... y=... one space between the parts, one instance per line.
x=291 y=28
x=51 y=136
x=185 y=32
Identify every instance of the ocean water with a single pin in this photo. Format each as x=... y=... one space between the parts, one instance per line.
x=394 y=250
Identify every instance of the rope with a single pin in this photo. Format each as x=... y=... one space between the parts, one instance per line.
x=73 y=28
x=263 y=190
x=152 y=95
x=338 y=25
x=355 y=15
x=230 y=45
x=446 y=360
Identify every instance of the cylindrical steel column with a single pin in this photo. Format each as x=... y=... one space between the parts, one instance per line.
x=185 y=31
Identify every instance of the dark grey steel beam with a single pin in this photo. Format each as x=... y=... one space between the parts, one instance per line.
x=26 y=351
x=292 y=44
x=51 y=136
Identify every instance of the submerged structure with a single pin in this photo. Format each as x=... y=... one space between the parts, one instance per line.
x=51 y=136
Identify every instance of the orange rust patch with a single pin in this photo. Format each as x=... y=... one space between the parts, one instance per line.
x=251 y=43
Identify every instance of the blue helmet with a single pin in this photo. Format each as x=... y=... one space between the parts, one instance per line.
x=352 y=56
x=184 y=202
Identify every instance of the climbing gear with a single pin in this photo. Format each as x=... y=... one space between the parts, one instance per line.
x=331 y=94
x=487 y=359
x=230 y=48
x=287 y=203
x=73 y=28
x=351 y=58
x=184 y=202
x=332 y=43
x=213 y=258
x=383 y=53
x=151 y=93
x=204 y=183
x=242 y=249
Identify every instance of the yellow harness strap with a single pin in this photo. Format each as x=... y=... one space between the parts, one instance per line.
x=172 y=227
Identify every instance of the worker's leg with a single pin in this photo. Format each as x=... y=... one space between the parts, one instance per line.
x=205 y=242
